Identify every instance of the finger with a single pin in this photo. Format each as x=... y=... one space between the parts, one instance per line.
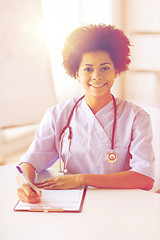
x=48 y=183
x=37 y=190
x=55 y=186
x=49 y=180
x=44 y=182
x=29 y=193
x=26 y=198
x=51 y=187
x=27 y=190
x=39 y=183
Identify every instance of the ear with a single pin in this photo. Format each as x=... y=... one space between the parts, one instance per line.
x=77 y=76
x=116 y=73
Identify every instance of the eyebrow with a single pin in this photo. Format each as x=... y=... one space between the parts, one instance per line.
x=100 y=64
x=104 y=63
x=87 y=64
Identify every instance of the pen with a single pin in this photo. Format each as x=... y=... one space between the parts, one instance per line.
x=25 y=178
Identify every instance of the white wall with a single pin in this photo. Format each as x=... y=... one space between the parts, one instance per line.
x=26 y=86
x=142 y=82
x=142 y=25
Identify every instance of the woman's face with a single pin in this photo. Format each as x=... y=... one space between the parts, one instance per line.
x=96 y=74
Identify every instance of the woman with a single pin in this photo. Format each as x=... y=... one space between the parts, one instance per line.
x=111 y=138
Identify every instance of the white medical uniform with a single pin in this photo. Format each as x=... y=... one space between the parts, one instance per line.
x=91 y=139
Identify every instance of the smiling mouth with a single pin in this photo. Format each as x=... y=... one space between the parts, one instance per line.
x=98 y=85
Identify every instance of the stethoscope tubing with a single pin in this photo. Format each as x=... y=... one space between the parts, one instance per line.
x=69 y=120
x=70 y=133
x=114 y=122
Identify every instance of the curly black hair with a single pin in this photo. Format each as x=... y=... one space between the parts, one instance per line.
x=92 y=38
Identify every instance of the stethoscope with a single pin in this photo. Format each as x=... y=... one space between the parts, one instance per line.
x=111 y=156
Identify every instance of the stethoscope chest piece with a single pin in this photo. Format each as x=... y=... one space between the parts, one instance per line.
x=111 y=157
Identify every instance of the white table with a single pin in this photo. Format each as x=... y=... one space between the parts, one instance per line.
x=106 y=214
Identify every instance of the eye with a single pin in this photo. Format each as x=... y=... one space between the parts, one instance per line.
x=88 y=69
x=105 y=68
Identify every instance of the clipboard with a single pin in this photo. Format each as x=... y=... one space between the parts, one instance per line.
x=55 y=201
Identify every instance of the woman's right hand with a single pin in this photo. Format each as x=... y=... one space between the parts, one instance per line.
x=24 y=191
x=26 y=194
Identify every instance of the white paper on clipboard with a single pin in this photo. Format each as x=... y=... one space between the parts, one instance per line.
x=56 y=200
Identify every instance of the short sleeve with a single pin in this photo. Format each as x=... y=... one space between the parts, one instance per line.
x=42 y=153
x=141 y=150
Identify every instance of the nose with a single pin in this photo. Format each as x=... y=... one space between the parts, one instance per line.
x=96 y=75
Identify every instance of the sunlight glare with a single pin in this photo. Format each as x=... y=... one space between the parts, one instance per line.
x=61 y=18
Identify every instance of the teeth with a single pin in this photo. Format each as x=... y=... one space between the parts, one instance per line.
x=97 y=85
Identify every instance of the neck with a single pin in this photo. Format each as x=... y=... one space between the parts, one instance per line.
x=97 y=103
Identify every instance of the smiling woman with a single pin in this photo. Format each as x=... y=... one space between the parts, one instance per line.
x=96 y=74
x=95 y=55
x=109 y=144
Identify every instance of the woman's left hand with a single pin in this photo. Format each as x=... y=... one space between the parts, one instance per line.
x=62 y=182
